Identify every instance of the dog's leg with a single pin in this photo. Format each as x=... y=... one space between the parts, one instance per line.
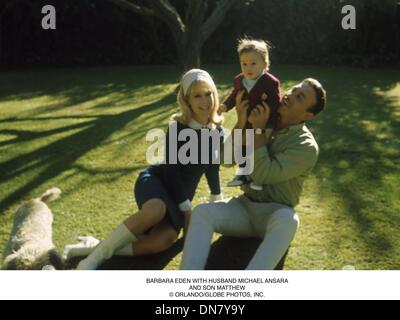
x=10 y=262
x=55 y=260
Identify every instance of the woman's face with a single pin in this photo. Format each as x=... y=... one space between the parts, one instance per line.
x=201 y=100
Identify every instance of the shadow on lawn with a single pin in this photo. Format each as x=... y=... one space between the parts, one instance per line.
x=59 y=156
x=226 y=253
x=358 y=136
x=78 y=86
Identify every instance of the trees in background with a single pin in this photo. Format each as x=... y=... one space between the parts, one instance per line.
x=309 y=31
x=91 y=32
x=189 y=31
x=10 y=8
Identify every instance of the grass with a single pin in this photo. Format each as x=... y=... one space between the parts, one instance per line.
x=83 y=130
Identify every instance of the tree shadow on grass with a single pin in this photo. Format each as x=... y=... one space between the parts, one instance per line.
x=59 y=156
x=358 y=135
x=81 y=85
x=27 y=135
x=355 y=159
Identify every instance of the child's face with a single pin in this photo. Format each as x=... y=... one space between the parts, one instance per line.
x=253 y=65
x=201 y=100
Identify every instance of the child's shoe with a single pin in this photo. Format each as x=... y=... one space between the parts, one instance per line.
x=238 y=181
x=256 y=187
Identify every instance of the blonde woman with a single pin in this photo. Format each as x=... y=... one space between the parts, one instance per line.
x=164 y=192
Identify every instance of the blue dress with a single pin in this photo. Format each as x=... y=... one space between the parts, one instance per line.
x=176 y=183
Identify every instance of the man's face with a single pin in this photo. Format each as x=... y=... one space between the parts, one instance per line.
x=295 y=104
x=253 y=65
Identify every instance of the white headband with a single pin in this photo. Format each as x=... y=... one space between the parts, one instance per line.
x=195 y=75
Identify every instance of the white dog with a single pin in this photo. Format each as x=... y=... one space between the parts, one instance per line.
x=31 y=246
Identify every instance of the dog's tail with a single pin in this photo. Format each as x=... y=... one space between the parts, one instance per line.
x=50 y=195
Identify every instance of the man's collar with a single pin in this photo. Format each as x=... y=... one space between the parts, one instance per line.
x=292 y=128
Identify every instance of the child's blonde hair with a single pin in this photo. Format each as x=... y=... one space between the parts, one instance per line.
x=259 y=46
x=186 y=115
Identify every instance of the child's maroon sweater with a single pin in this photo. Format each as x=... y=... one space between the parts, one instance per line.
x=266 y=84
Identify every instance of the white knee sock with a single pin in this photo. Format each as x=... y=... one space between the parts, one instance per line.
x=126 y=251
x=116 y=241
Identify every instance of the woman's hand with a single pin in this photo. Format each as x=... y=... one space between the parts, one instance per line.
x=259 y=117
x=241 y=109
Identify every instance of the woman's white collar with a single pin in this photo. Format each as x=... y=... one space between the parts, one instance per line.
x=197 y=126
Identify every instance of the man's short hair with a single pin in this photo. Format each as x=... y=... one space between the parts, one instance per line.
x=320 y=95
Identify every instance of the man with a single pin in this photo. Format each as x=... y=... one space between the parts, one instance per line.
x=282 y=161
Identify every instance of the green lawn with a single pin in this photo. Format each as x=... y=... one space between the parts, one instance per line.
x=83 y=130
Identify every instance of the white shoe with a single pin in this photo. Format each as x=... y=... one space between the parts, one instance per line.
x=237 y=181
x=256 y=187
x=216 y=197
x=83 y=248
x=96 y=258
x=105 y=250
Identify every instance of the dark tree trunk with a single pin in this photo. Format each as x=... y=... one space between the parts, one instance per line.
x=189 y=56
x=189 y=33
x=190 y=47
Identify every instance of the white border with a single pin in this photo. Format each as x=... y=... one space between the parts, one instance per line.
x=132 y=285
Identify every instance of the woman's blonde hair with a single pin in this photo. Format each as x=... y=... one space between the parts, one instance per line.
x=259 y=46
x=186 y=115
